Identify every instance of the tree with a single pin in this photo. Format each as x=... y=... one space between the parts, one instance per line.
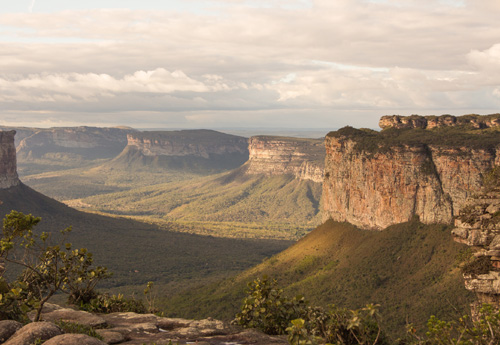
x=46 y=268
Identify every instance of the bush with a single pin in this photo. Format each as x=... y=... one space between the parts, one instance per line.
x=105 y=303
x=47 y=268
x=73 y=327
x=266 y=309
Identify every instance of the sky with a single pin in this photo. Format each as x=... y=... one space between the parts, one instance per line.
x=245 y=63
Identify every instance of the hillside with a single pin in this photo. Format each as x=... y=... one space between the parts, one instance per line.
x=136 y=252
x=410 y=269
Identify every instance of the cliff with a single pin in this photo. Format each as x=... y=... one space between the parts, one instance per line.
x=86 y=143
x=197 y=143
x=429 y=122
x=376 y=179
x=8 y=168
x=271 y=155
x=478 y=225
x=197 y=151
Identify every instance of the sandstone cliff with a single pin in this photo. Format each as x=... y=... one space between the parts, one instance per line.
x=69 y=142
x=8 y=168
x=198 y=143
x=478 y=225
x=374 y=179
x=271 y=155
x=429 y=122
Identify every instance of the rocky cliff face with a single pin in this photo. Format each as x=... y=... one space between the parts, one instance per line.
x=478 y=225
x=86 y=142
x=303 y=158
x=429 y=122
x=8 y=168
x=197 y=143
x=374 y=180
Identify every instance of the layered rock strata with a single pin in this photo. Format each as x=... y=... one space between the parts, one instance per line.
x=271 y=155
x=196 y=143
x=478 y=225
x=373 y=182
x=8 y=167
x=429 y=122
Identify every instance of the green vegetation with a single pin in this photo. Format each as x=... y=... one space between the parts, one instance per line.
x=447 y=137
x=106 y=303
x=410 y=269
x=73 y=327
x=46 y=268
x=138 y=253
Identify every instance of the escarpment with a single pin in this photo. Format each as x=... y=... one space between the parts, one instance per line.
x=8 y=166
x=271 y=155
x=376 y=179
x=478 y=225
x=429 y=122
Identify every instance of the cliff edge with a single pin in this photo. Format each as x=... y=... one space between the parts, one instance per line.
x=376 y=179
x=8 y=167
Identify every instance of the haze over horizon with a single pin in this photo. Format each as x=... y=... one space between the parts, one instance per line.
x=245 y=63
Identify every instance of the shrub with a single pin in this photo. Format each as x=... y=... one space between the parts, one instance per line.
x=480 y=265
x=266 y=309
x=47 y=268
x=105 y=303
x=78 y=328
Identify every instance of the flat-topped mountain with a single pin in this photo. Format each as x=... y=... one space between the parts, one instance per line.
x=273 y=155
x=198 y=150
x=376 y=179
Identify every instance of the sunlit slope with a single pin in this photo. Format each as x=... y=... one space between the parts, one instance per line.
x=410 y=269
x=277 y=203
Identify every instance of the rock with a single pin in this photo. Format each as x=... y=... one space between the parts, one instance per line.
x=303 y=158
x=33 y=331
x=8 y=163
x=125 y=319
x=172 y=323
x=76 y=316
x=74 y=339
x=8 y=328
x=110 y=336
x=493 y=208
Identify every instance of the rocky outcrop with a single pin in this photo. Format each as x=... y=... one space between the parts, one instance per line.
x=429 y=122
x=8 y=165
x=303 y=158
x=197 y=143
x=86 y=142
x=131 y=328
x=374 y=180
x=478 y=225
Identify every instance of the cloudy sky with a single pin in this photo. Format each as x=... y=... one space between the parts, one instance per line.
x=245 y=63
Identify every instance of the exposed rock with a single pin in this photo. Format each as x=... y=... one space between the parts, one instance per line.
x=111 y=337
x=8 y=328
x=8 y=164
x=271 y=155
x=77 y=316
x=33 y=331
x=74 y=339
x=429 y=122
x=199 y=143
x=376 y=183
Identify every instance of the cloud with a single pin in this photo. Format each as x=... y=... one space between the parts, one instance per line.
x=312 y=57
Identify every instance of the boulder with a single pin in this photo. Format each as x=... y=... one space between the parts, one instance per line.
x=32 y=332
x=8 y=328
x=76 y=316
x=110 y=336
x=74 y=339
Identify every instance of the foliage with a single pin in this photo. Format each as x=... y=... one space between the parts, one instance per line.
x=105 y=303
x=491 y=180
x=47 y=268
x=480 y=265
x=150 y=294
x=483 y=331
x=266 y=309
x=78 y=328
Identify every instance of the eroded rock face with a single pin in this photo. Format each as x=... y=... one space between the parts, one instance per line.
x=303 y=158
x=375 y=187
x=197 y=143
x=429 y=122
x=8 y=166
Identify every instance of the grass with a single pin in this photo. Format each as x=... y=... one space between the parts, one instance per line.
x=410 y=269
